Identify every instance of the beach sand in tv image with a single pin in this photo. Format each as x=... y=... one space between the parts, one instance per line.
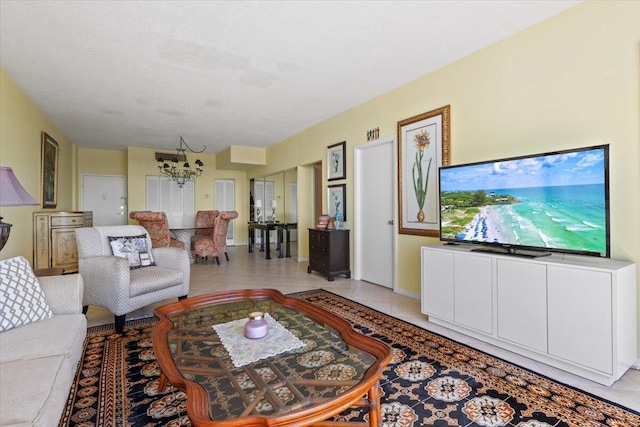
x=549 y=202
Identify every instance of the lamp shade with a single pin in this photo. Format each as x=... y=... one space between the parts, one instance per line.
x=258 y=204
x=12 y=193
x=274 y=204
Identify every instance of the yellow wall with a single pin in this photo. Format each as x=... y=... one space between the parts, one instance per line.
x=241 y=158
x=21 y=125
x=101 y=162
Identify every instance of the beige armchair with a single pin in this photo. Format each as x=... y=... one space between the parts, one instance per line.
x=110 y=283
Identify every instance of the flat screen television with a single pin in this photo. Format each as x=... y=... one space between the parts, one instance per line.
x=530 y=205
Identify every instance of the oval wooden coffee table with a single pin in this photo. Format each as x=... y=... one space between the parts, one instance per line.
x=337 y=368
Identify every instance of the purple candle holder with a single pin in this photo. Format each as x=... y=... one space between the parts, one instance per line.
x=256 y=327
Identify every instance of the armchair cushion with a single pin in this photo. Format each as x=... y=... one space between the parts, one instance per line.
x=149 y=280
x=22 y=301
x=134 y=249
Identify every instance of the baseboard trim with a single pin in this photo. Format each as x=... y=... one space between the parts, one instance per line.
x=407 y=293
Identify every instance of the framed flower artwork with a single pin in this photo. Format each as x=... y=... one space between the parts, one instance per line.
x=337 y=200
x=336 y=161
x=423 y=147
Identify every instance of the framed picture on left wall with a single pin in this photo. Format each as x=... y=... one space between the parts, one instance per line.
x=49 y=171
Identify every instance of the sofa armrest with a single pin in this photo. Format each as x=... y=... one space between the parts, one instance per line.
x=64 y=293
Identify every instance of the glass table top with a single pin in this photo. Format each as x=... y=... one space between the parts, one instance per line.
x=323 y=369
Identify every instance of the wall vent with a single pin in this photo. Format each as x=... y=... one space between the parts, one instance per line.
x=168 y=156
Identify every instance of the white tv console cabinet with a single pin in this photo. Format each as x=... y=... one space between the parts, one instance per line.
x=572 y=312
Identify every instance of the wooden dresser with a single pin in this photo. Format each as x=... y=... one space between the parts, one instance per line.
x=329 y=252
x=54 y=239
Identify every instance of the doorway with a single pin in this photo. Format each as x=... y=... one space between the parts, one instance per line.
x=106 y=197
x=374 y=247
x=317 y=192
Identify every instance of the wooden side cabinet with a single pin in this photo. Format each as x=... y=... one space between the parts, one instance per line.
x=54 y=239
x=329 y=252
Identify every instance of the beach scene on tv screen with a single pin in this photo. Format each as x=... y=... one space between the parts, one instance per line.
x=553 y=201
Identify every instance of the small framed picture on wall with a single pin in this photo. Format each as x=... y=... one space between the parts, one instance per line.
x=336 y=161
x=337 y=200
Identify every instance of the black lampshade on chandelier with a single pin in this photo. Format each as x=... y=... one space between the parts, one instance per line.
x=184 y=173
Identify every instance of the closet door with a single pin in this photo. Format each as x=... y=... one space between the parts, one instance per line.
x=178 y=203
x=225 y=201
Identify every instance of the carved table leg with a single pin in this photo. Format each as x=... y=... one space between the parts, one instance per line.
x=162 y=382
x=374 y=405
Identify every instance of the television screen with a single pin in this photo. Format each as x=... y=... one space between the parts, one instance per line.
x=550 y=202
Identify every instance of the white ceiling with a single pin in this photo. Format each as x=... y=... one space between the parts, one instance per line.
x=221 y=73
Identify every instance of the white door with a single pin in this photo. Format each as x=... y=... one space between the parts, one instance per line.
x=226 y=201
x=374 y=209
x=106 y=197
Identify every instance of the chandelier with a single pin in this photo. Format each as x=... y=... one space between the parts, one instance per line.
x=184 y=173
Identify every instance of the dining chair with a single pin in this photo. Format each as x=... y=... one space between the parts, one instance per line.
x=202 y=240
x=157 y=225
x=220 y=234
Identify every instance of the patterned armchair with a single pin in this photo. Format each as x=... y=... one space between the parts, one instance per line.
x=202 y=240
x=157 y=226
x=220 y=234
x=110 y=282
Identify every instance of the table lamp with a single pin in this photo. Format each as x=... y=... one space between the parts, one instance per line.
x=274 y=205
x=258 y=206
x=12 y=193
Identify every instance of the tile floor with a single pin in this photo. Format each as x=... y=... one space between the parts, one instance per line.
x=288 y=275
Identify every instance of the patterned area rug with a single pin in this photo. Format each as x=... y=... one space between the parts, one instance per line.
x=431 y=381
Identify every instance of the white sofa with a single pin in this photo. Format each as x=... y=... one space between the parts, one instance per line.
x=38 y=361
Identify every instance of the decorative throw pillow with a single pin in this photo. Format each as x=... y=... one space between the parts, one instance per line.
x=134 y=249
x=22 y=300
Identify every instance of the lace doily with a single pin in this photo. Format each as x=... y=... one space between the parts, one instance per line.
x=243 y=350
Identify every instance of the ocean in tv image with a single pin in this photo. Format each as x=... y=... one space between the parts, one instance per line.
x=500 y=202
